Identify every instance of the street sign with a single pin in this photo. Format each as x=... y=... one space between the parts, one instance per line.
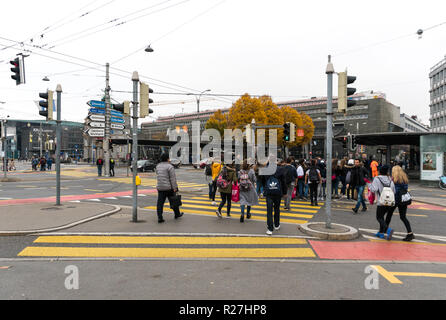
x=117 y=126
x=97 y=124
x=97 y=111
x=96 y=132
x=117 y=114
x=117 y=120
x=96 y=104
x=96 y=118
x=117 y=132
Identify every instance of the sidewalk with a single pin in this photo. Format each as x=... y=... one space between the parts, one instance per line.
x=44 y=217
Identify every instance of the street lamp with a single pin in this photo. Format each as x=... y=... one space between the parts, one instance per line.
x=198 y=98
x=148 y=49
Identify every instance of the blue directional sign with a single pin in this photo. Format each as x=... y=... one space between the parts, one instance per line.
x=96 y=104
x=97 y=111
x=116 y=114
x=117 y=120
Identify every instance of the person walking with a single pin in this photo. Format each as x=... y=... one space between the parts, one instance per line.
x=42 y=164
x=248 y=194
x=401 y=182
x=335 y=178
x=358 y=174
x=225 y=180
x=99 y=164
x=313 y=178
x=374 y=168
x=216 y=169
x=12 y=165
x=166 y=184
x=260 y=180
x=275 y=189
x=290 y=180
x=322 y=186
x=343 y=172
x=301 y=178
x=112 y=167
x=348 y=174
x=49 y=163
x=208 y=176
x=382 y=185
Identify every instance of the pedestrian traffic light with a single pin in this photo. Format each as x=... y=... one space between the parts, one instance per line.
x=286 y=132
x=145 y=100
x=344 y=92
x=16 y=74
x=123 y=107
x=47 y=105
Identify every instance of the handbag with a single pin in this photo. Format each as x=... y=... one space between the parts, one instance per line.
x=175 y=200
x=406 y=199
x=293 y=195
x=235 y=193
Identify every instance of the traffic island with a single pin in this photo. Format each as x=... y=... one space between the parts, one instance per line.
x=337 y=231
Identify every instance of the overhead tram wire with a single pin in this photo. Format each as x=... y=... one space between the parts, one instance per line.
x=82 y=34
x=170 y=32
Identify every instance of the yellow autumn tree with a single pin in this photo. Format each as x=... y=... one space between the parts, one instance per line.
x=218 y=121
x=308 y=128
x=302 y=121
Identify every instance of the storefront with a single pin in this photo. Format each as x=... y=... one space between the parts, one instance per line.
x=433 y=156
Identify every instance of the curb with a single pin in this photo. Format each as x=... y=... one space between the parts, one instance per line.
x=308 y=228
x=66 y=226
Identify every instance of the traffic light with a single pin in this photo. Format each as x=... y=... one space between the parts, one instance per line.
x=344 y=92
x=352 y=143
x=292 y=132
x=16 y=70
x=47 y=105
x=123 y=107
x=286 y=132
x=145 y=100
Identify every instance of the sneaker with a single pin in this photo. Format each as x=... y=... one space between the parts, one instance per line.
x=269 y=232
x=248 y=215
x=228 y=215
x=389 y=234
x=409 y=237
x=364 y=209
x=380 y=235
x=355 y=211
x=218 y=214
x=277 y=228
x=214 y=203
x=180 y=215
x=161 y=220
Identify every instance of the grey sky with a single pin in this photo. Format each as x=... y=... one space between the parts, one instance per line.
x=278 y=48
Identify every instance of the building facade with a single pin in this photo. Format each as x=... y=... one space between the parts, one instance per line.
x=437 y=92
x=412 y=124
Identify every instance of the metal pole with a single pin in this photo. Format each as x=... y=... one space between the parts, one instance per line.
x=5 y=141
x=107 y=122
x=59 y=141
x=329 y=72
x=135 y=79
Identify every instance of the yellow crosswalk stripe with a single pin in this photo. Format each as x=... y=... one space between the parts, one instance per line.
x=167 y=240
x=153 y=182
x=212 y=213
x=263 y=201
x=82 y=252
x=313 y=209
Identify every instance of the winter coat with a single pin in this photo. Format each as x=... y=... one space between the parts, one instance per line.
x=378 y=185
x=165 y=177
x=250 y=197
x=231 y=178
x=399 y=189
x=357 y=176
x=216 y=168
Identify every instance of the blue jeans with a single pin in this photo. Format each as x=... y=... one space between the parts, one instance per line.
x=335 y=186
x=301 y=187
x=360 y=190
x=307 y=187
x=259 y=187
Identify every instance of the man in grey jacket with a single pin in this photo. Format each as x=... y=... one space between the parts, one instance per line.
x=166 y=185
x=381 y=181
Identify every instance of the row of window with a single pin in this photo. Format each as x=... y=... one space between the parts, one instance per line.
x=438 y=77
x=438 y=107
x=438 y=122
x=437 y=93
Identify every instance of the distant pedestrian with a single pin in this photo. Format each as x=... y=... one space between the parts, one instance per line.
x=348 y=174
x=49 y=163
x=166 y=184
x=99 y=164
x=112 y=167
x=12 y=165
x=225 y=180
x=248 y=194
x=216 y=169
x=313 y=178
x=275 y=189
x=208 y=175
x=322 y=186
x=301 y=179
x=291 y=182
x=384 y=188
x=401 y=182
x=374 y=168
x=357 y=180
x=42 y=164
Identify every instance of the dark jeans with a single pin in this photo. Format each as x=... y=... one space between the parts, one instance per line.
x=361 y=200
x=112 y=171
x=162 y=196
x=313 y=192
x=402 y=209
x=342 y=180
x=214 y=190
x=225 y=197
x=350 y=192
x=301 y=187
x=381 y=212
x=273 y=203
x=99 y=170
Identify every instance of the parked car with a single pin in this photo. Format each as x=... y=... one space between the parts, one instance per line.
x=145 y=165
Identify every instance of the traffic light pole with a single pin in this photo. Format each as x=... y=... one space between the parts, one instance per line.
x=135 y=79
x=107 y=122
x=5 y=141
x=59 y=141
x=330 y=71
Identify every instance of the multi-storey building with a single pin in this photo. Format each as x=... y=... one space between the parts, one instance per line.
x=438 y=97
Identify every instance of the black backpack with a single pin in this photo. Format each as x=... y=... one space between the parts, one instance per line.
x=208 y=169
x=313 y=175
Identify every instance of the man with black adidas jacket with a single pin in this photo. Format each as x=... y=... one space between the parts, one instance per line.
x=275 y=189
x=357 y=181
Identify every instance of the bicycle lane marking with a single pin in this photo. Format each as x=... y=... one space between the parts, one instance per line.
x=392 y=276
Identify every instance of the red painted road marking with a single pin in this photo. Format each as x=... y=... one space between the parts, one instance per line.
x=74 y=198
x=378 y=251
x=425 y=206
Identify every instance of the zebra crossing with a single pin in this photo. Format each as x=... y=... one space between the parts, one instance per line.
x=151 y=182
x=169 y=247
x=300 y=213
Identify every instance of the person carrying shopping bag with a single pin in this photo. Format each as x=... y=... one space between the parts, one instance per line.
x=248 y=194
x=225 y=180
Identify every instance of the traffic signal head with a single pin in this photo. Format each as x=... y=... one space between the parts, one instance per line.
x=286 y=132
x=16 y=71
x=344 y=92
x=292 y=132
x=123 y=107
x=47 y=105
x=145 y=100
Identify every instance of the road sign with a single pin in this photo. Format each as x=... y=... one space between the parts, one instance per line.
x=117 y=132
x=117 y=114
x=96 y=104
x=97 y=111
x=97 y=124
x=96 y=118
x=96 y=132
x=117 y=120
x=117 y=126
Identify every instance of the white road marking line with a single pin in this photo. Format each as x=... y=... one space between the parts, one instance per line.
x=95 y=200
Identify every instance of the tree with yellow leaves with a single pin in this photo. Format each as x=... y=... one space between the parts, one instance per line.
x=218 y=121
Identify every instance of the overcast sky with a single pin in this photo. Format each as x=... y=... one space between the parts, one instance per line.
x=278 y=48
